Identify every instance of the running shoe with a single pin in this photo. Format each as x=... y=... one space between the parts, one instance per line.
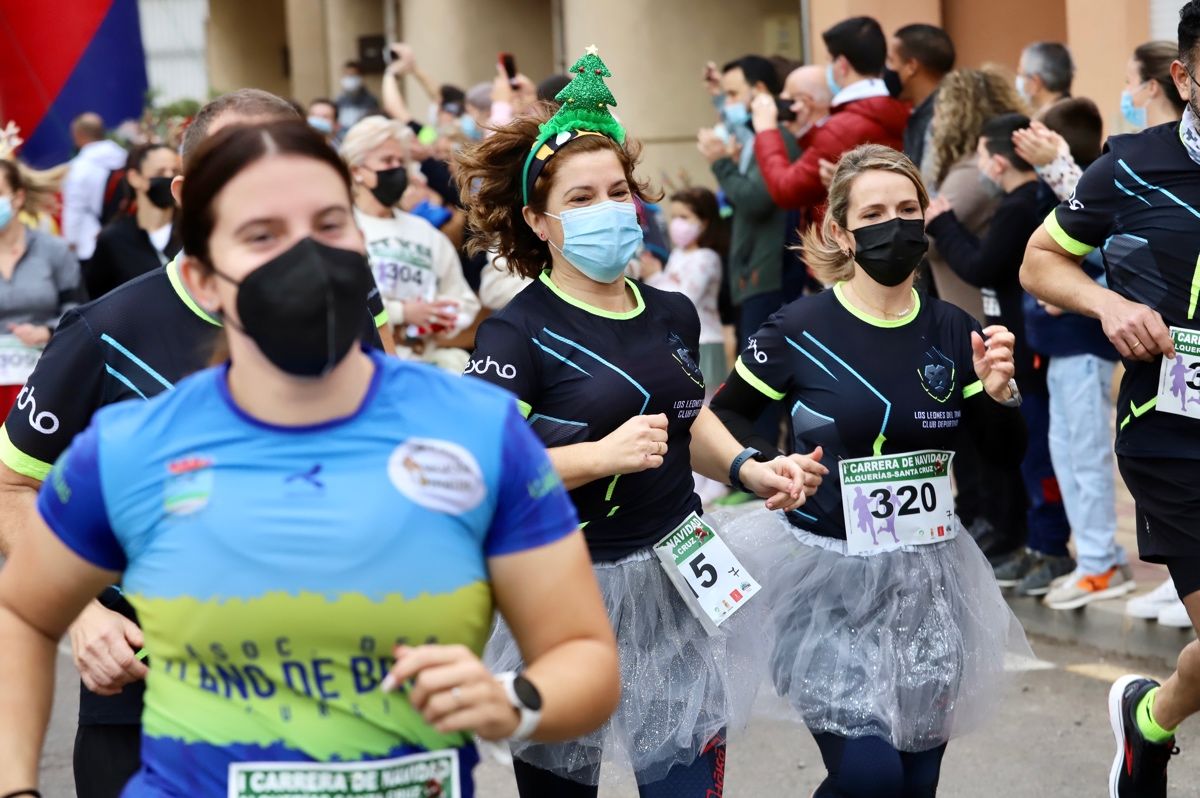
x=1037 y=582
x=1012 y=569
x=1080 y=589
x=1154 y=602
x=1175 y=615
x=1140 y=767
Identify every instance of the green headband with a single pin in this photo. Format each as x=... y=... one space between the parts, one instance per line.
x=583 y=111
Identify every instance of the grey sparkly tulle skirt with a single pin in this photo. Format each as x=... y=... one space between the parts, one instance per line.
x=680 y=687
x=908 y=645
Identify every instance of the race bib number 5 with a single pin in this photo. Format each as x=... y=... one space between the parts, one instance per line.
x=431 y=775
x=897 y=500
x=1179 y=379
x=708 y=575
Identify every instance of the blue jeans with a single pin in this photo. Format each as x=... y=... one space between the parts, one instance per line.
x=1049 y=529
x=1081 y=448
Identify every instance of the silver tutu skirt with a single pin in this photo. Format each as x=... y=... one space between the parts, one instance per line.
x=908 y=645
x=680 y=687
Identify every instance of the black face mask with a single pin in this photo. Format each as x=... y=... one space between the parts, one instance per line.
x=390 y=185
x=891 y=79
x=159 y=192
x=890 y=251
x=304 y=308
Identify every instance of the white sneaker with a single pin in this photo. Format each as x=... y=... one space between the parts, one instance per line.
x=1175 y=615
x=1154 y=602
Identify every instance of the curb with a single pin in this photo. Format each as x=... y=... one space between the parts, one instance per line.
x=1103 y=626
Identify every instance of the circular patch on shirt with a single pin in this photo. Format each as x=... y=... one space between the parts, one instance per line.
x=437 y=474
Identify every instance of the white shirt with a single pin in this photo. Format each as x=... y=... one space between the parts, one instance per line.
x=497 y=285
x=861 y=90
x=160 y=238
x=697 y=275
x=83 y=193
x=412 y=259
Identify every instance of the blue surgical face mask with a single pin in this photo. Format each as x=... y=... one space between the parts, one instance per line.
x=6 y=211
x=321 y=125
x=1133 y=115
x=736 y=115
x=834 y=88
x=600 y=240
x=469 y=127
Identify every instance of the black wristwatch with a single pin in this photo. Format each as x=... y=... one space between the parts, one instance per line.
x=734 y=470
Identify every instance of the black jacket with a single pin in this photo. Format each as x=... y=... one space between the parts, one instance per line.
x=123 y=252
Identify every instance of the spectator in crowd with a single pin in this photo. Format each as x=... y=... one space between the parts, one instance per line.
x=920 y=56
x=1045 y=74
x=1062 y=143
x=87 y=179
x=965 y=99
x=39 y=281
x=323 y=118
x=477 y=111
x=549 y=88
x=993 y=263
x=416 y=267
x=1150 y=97
x=808 y=92
x=355 y=101
x=863 y=111
x=138 y=242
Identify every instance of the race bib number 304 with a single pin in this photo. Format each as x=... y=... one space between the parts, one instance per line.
x=706 y=572
x=431 y=775
x=1179 y=379
x=897 y=500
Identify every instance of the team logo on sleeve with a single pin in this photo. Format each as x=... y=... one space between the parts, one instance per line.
x=684 y=358
x=937 y=375
x=189 y=485
x=437 y=474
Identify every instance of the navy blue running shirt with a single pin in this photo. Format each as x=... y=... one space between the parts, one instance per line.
x=1140 y=204
x=580 y=372
x=860 y=386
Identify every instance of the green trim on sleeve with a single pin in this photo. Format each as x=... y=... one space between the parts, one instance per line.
x=1138 y=412
x=749 y=376
x=1062 y=238
x=525 y=408
x=382 y=319
x=1195 y=290
x=972 y=389
x=20 y=462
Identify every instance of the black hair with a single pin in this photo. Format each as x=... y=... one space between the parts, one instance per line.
x=1189 y=33
x=1052 y=62
x=245 y=102
x=323 y=101
x=997 y=134
x=452 y=94
x=549 y=88
x=929 y=45
x=137 y=156
x=861 y=41
x=352 y=64
x=1079 y=122
x=757 y=70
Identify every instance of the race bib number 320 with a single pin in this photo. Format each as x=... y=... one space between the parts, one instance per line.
x=431 y=775
x=1179 y=378
x=897 y=500
x=704 y=570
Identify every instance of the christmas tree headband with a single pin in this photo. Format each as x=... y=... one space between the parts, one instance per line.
x=583 y=112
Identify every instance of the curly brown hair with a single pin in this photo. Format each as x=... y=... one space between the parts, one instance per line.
x=966 y=98
x=489 y=180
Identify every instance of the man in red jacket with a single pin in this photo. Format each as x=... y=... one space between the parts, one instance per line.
x=863 y=113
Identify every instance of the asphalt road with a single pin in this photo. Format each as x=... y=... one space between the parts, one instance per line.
x=1050 y=740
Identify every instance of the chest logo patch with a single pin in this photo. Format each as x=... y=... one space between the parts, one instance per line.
x=684 y=358
x=189 y=485
x=937 y=375
x=437 y=474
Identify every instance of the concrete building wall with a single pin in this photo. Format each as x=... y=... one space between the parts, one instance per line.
x=1101 y=51
x=247 y=45
x=309 y=48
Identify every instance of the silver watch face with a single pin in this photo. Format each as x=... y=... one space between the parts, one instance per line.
x=527 y=694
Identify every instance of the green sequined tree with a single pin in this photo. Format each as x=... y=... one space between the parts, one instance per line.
x=585 y=100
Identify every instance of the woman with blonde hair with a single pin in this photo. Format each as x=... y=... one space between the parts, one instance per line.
x=889 y=633
x=415 y=265
x=966 y=98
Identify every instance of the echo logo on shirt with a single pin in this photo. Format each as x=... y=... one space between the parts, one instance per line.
x=437 y=474
x=503 y=371
x=44 y=422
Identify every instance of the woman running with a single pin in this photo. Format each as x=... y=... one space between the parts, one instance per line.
x=607 y=374
x=890 y=632
x=313 y=535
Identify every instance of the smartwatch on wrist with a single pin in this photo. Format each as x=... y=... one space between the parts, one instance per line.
x=526 y=700
x=734 y=470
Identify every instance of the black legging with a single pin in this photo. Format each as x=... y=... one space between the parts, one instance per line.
x=869 y=767
x=703 y=778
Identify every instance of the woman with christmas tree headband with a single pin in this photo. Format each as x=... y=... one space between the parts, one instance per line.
x=606 y=372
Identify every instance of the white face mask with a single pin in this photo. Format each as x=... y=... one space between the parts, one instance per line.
x=351 y=82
